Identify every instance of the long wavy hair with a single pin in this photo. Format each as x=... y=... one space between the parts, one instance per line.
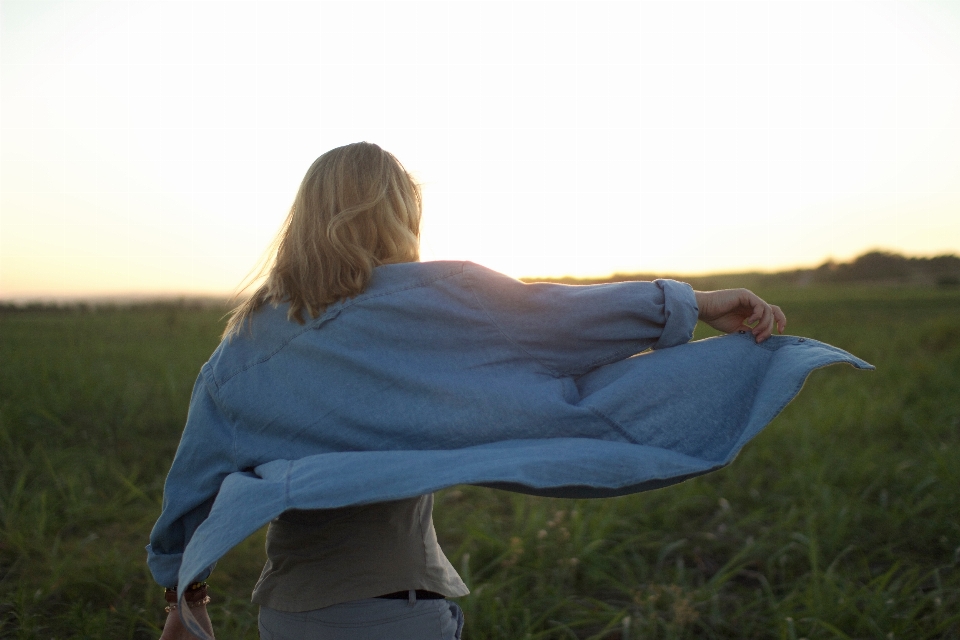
x=357 y=208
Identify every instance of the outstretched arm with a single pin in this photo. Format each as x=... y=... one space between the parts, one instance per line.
x=574 y=329
x=730 y=310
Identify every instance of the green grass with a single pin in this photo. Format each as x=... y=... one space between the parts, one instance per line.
x=841 y=520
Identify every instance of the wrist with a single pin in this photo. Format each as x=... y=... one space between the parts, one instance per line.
x=194 y=597
x=700 y=299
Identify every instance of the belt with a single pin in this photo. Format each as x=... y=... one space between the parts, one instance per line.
x=405 y=595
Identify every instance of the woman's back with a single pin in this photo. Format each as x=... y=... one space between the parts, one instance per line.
x=434 y=355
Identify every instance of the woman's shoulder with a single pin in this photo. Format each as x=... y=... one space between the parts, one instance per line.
x=410 y=274
x=269 y=330
x=265 y=333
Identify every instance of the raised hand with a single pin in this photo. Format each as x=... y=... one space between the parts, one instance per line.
x=730 y=310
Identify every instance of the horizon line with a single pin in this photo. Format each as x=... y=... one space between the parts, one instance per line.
x=148 y=297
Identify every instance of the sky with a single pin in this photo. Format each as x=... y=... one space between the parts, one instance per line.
x=154 y=147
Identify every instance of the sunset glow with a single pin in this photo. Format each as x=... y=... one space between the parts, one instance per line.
x=155 y=147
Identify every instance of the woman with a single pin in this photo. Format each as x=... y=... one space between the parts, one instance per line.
x=356 y=381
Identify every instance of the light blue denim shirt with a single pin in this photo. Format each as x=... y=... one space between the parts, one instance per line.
x=445 y=373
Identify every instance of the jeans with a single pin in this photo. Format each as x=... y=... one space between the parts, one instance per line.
x=370 y=619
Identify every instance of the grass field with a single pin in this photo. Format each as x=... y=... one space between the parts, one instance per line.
x=841 y=520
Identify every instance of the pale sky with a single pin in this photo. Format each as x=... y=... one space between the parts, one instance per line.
x=155 y=147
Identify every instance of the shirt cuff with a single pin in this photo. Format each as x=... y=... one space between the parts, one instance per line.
x=680 y=313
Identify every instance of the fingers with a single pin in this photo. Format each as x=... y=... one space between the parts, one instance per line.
x=759 y=308
x=780 y=318
x=764 y=326
x=731 y=310
x=763 y=317
x=768 y=317
x=760 y=316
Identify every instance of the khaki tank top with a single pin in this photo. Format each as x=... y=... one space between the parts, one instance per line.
x=319 y=558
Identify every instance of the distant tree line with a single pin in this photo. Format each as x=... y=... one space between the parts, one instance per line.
x=876 y=267
x=891 y=267
x=879 y=267
x=120 y=303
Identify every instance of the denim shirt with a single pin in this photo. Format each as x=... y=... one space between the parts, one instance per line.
x=445 y=373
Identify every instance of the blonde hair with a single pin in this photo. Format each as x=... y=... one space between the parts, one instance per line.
x=357 y=208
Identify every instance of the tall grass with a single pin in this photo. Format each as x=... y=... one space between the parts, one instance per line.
x=841 y=520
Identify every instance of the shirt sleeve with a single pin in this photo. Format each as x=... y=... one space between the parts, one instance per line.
x=572 y=329
x=205 y=456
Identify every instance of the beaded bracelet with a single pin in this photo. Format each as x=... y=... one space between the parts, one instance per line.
x=195 y=596
x=193 y=605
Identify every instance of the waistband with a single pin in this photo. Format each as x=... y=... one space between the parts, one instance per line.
x=419 y=594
